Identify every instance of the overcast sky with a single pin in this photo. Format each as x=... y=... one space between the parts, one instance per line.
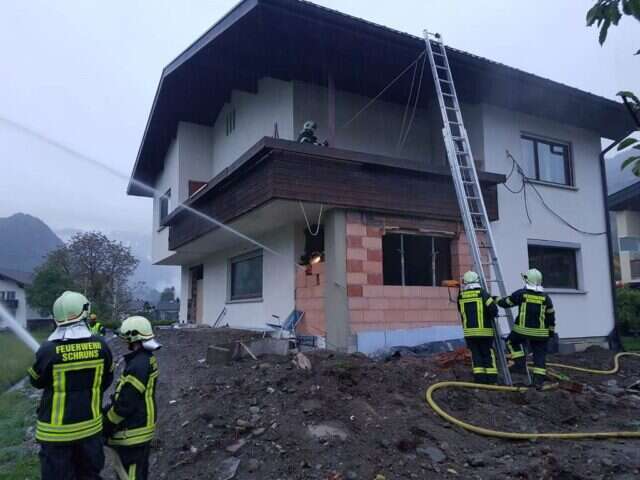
x=84 y=72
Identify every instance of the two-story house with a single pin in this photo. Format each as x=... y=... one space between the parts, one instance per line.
x=361 y=232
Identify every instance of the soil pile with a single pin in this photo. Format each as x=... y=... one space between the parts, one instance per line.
x=353 y=418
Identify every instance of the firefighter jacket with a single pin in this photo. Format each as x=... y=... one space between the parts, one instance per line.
x=97 y=329
x=478 y=311
x=131 y=418
x=536 y=315
x=74 y=375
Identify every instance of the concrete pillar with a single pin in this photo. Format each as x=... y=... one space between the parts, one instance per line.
x=336 y=304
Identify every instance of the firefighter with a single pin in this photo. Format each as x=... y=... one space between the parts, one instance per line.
x=131 y=417
x=478 y=311
x=96 y=327
x=73 y=368
x=534 y=325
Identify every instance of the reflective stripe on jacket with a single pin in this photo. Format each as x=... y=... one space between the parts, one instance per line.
x=74 y=375
x=477 y=311
x=133 y=410
x=536 y=315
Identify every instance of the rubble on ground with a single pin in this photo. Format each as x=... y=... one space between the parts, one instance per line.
x=349 y=417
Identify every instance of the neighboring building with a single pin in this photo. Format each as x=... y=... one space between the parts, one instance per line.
x=14 y=299
x=221 y=139
x=167 y=311
x=624 y=208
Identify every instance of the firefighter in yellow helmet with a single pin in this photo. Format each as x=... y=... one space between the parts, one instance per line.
x=477 y=311
x=131 y=417
x=73 y=368
x=534 y=325
x=95 y=326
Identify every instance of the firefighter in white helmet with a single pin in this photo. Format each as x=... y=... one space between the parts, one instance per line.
x=73 y=368
x=534 y=325
x=131 y=417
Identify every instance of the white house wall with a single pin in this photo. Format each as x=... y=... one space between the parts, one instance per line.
x=21 y=311
x=256 y=117
x=278 y=284
x=587 y=314
x=167 y=179
x=195 y=162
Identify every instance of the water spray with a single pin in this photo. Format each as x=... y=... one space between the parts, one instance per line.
x=20 y=332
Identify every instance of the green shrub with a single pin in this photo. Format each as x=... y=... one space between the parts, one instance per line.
x=628 y=305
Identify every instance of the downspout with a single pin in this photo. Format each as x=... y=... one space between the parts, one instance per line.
x=614 y=337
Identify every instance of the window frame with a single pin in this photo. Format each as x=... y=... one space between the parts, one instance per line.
x=403 y=261
x=230 y=121
x=568 y=162
x=165 y=197
x=240 y=258
x=577 y=252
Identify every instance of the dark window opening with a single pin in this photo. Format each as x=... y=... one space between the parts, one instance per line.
x=245 y=280
x=313 y=244
x=164 y=206
x=415 y=260
x=546 y=160
x=557 y=264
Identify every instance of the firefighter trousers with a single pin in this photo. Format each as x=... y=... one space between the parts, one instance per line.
x=538 y=345
x=80 y=460
x=483 y=359
x=135 y=460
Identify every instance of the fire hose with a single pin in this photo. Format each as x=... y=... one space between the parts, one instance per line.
x=520 y=435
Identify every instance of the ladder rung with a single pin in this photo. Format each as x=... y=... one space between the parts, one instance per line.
x=454 y=123
x=444 y=81
x=448 y=95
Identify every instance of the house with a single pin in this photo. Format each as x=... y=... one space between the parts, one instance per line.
x=624 y=208
x=360 y=232
x=168 y=311
x=14 y=299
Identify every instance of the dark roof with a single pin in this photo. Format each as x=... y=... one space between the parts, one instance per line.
x=165 y=306
x=21 y=278
x=295 y=39
x=626 y=199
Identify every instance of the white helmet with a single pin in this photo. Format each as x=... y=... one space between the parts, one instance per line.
x=70 y=307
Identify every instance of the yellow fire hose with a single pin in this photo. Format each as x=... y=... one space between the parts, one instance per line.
x=527 y=436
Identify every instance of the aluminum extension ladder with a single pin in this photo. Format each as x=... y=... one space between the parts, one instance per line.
x=467 y=186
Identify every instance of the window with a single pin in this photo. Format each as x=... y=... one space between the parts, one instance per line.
x=164 y=206
x=230 y=122
x=415 y=260
x=245 y=277
x=557 y=264
x=10 y=295
x=634 y=266
x=546 y=160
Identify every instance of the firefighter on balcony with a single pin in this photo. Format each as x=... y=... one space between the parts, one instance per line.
x=478 y=311
x=534 y=325
x=131 y=417
x=96 y=327
x=73 y=368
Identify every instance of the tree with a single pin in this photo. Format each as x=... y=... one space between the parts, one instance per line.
x=604 y=14
x=92 y=264
x=168 y=294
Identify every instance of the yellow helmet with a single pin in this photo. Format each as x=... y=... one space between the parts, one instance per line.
x=70 y=307
x=93 y=316
x=136 y=329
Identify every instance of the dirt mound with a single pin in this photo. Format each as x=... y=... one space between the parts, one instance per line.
x=353 y=418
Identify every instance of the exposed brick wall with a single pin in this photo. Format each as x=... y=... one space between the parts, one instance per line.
x=374 y=306
x=310 y=299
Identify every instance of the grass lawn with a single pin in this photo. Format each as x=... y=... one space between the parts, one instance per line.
x=630 y=344
x=17 y=413
x=15 y=357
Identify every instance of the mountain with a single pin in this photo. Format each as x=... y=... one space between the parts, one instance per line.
x=25 y=241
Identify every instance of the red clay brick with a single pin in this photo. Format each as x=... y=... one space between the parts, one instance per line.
x=379 y=303
x=356 y=229
x=374 y=255
x=355 y=266
x=373 y=243
x=356 y=278
x=354 y=241
x=354 y=290
x=373 y=291
x=410 y=291
x=356 y=316
x=417 y=303
x=303 y=293
x=358 y=303
x=374 y=316
x=398 y=303
x=372 y=267
x=374 y=279
x=412 y=316
x=318 y=268
x=391 y=316
x=393 y=291
x=356 y=254
x=374 y=232
x=317 y=292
